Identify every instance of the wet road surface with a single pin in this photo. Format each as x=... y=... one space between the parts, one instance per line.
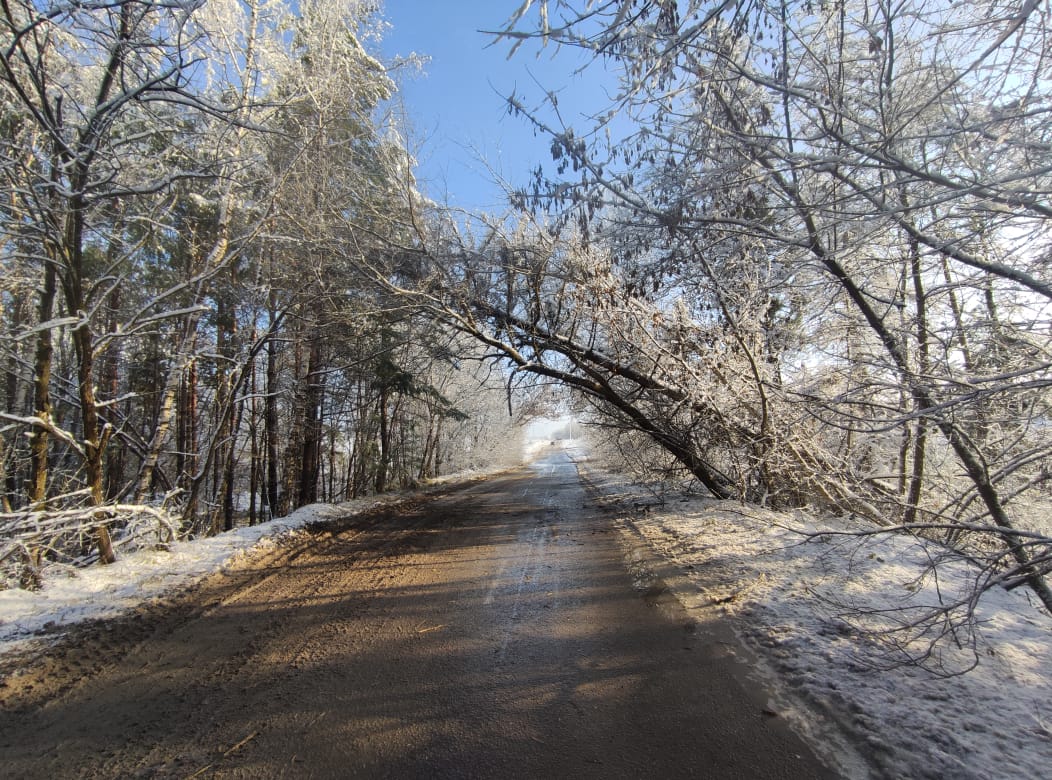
x=494 y=632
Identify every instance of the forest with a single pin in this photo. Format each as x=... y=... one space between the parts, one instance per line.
x=197 y=199
x=801 y=260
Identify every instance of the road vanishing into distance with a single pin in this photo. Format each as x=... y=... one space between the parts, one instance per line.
x=491 y=632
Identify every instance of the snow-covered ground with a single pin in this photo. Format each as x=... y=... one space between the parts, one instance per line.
x=801 y=601
x=812 y=607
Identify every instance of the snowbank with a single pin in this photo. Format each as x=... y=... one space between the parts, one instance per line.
x=73 y=595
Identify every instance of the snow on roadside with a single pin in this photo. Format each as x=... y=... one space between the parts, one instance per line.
x=74 y=595
x=799 y=601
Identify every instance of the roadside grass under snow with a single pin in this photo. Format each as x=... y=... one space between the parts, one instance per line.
x=830 y=615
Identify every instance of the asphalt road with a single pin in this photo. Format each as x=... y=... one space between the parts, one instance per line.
x=494 y=632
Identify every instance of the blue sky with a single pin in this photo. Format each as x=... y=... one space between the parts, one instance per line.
x=456 y=107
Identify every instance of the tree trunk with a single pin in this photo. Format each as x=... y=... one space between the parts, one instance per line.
x=292 y=457
x=13 y=403
x=253 y=438
x=181 y=375
x=95 y=436
x=226 y=422
x=960 y=332
x=920 y=436
x=38 y=437
x=313 y=390
x=430 y=442
x=438 y=452
x=115 y=459
x=383 y=461
x=270 y=431
x=230 y=468
x=331 y=492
